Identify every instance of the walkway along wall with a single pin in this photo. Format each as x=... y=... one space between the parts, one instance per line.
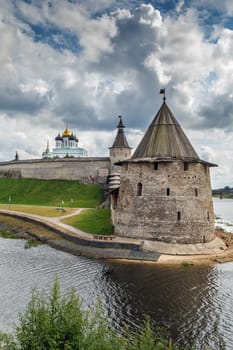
x=87 y=247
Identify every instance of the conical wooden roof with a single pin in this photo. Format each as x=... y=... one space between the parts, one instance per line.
x=165 y=139
x=120 y=140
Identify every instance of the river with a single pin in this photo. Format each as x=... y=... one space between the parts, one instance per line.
x=194 y=303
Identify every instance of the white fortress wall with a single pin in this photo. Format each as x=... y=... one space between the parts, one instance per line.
x=84 y=169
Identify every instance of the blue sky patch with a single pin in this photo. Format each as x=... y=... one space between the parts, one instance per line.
x=56 y=38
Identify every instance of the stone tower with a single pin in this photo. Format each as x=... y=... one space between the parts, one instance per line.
x=120 y=149
x=165 y=190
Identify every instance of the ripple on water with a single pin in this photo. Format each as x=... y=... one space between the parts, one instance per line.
x=193 y=302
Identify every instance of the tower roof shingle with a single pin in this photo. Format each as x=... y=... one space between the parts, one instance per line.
x=165 y=139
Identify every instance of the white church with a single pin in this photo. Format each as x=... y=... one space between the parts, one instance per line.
x=66 y=146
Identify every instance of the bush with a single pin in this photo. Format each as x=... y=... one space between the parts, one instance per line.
x=59 y=322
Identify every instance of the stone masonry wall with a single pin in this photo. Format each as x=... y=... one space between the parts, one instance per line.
x=117 y=154
x=84 y=169
x=175 y=205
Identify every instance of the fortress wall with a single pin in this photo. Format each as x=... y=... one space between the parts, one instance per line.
x=84 y=169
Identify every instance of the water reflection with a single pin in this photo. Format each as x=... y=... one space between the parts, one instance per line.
x=183 y=299
x=193 y=302
x=21 y=270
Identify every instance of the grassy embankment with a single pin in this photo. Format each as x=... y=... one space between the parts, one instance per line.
x=95 y=221
x=50 y=193
x=43 y=197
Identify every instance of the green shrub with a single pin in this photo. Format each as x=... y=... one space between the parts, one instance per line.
x=185 y=263
x=8 y=234
x=32 y=243
x=58 y=322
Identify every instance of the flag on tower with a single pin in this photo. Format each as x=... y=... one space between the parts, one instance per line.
x=162 y=91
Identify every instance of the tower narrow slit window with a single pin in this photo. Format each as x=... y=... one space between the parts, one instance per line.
x=156 y=166
x=139 y=189
x=196 y=192
x=178 y=215
x=208 y=215
x=168 y=191
x=186 y=166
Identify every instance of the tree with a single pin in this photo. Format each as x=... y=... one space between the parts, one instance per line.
x=59 y=323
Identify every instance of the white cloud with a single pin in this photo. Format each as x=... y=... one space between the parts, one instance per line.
x=180 y=5
x=93 y=34
x=150 y=16
x=154 y=63
x=121 y=14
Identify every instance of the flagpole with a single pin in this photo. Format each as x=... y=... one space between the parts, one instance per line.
x=162 y=91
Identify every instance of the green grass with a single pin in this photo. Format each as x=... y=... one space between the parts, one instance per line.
x=50 y=192
x=224 y=195
x=95 y=221
x=38 y=210
x=8 y=234
x=32 y=243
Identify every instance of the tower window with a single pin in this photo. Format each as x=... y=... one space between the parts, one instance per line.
x=139 y=189
x=196 y=192
x=168 y=191
x=186 y=166
x=178 y=215
x=208 y=215
x=114 y=198
x=156 y=166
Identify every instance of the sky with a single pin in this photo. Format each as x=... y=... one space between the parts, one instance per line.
x=82 y=63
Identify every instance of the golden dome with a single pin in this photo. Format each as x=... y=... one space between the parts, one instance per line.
x=66 y=132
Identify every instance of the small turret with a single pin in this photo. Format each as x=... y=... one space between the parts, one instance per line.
x=120 y=149
x=16 y=156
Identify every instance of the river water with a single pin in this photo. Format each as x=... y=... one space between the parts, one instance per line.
x=194 y=303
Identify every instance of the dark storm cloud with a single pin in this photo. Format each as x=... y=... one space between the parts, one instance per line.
x=218 y=115
x=132 y=45
x=137 y=102
x=75 y=111
x=14 y=100
x=144 y=102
